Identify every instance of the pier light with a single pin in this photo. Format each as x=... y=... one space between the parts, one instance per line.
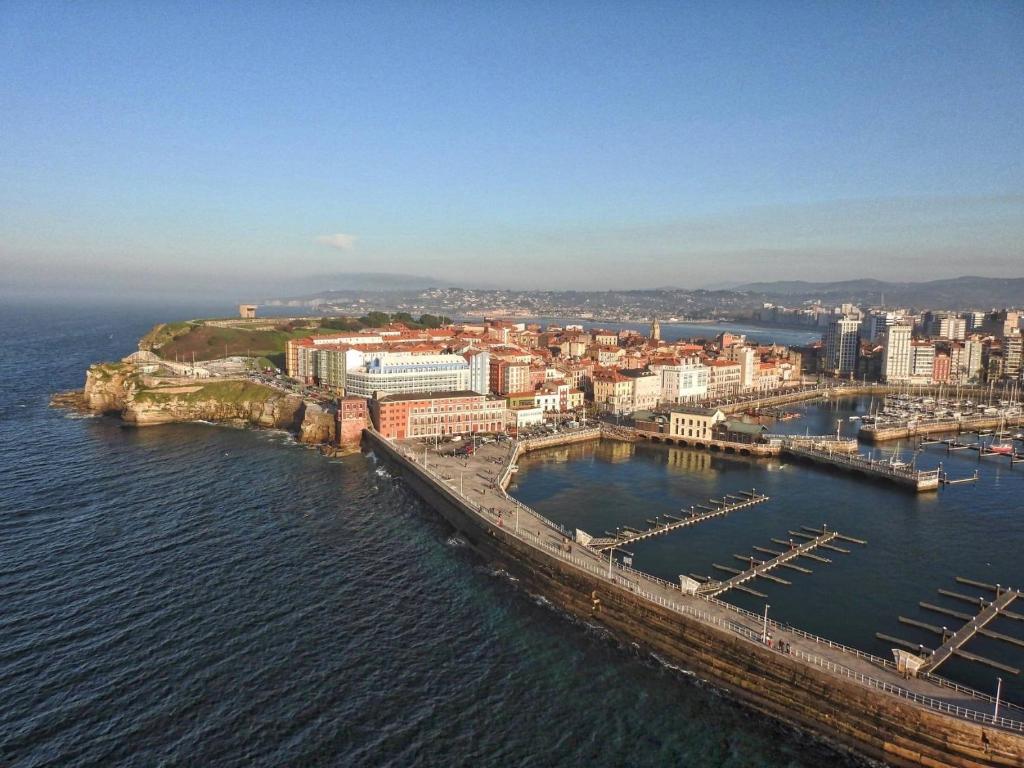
x=999 y=690
x=764 y=632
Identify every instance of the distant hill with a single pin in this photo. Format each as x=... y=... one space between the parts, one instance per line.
x=955 y=293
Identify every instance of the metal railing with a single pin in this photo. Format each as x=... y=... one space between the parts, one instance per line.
x=860 y=462
x=752 y=635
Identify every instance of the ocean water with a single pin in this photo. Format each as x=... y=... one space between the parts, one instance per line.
x=194 y=595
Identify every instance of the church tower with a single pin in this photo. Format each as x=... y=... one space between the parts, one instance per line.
x=655 y=330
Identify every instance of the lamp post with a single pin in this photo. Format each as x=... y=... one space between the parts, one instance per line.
x=764 y=632
x=999 y=690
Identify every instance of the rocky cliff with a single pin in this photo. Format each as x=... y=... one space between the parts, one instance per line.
x=318 y=425
x=123 y=389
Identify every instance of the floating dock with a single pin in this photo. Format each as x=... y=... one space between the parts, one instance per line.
x=952 y=642
x=761 y=568
x=721 y=507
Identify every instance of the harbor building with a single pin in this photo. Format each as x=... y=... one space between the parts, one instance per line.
x=613 y=392
x=437 y=414
x=689 y=422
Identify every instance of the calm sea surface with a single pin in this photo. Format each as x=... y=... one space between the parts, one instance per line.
x=202 y=596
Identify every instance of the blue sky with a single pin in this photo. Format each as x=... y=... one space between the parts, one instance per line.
x=530 y=144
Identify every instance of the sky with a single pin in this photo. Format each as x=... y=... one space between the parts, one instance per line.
x=259 y=148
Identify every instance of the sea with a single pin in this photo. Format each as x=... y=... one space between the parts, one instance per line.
x=199 y=595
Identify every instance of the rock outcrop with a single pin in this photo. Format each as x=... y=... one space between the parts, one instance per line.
x=318 y=425
x=123 y=389
x=134 y=390
x=107 y=386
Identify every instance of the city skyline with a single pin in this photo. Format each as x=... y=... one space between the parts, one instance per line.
x=566 y=147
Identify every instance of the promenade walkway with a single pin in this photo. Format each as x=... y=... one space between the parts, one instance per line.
x=480 y=480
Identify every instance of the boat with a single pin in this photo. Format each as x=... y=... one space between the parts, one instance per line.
x=1003 y=449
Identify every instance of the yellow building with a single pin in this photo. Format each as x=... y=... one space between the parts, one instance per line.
x=693 y=423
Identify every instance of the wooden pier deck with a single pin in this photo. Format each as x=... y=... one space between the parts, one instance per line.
x=761 y=568
x=973 y=626
x=731 y=503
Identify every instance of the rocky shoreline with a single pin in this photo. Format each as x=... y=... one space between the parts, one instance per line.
x=127 y=391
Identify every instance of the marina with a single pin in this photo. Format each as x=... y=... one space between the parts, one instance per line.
x=508 y=522
x=904 y=415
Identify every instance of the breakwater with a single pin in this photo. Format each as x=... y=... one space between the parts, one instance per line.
x=838 y=691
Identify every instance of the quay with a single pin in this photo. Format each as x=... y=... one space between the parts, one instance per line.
x=918 y=480
x=820 y=449
x=863 y=700
x=880 y=433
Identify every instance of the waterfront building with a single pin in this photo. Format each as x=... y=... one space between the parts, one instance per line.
x=613 y=392
x=646 y=389
x=390 y=373
x=723 y=378
x=897 y=360
x=747 y=358
x=523 y=416
x=437 y=414
x=923 y=360
x=1013 y=351
x=352 y=418
x=941 y=368
x=690 y=422
x=971 y=360
x=682 y=380
x=842 y=344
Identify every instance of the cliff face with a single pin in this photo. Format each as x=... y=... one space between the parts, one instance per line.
x=318 y=425
x=145 y=408
x=121 y=388
x=107 y=386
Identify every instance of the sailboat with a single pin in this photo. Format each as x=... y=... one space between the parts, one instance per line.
x=1004 y=448
x=894 y=461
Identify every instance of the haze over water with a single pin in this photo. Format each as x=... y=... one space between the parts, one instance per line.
x=199 y=595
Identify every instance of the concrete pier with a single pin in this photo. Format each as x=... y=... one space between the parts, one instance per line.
x=918 y=480
x=848 y=694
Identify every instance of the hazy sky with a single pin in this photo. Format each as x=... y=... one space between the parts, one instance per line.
x=239 y=146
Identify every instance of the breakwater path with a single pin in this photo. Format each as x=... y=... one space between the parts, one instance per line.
x=479 y=481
